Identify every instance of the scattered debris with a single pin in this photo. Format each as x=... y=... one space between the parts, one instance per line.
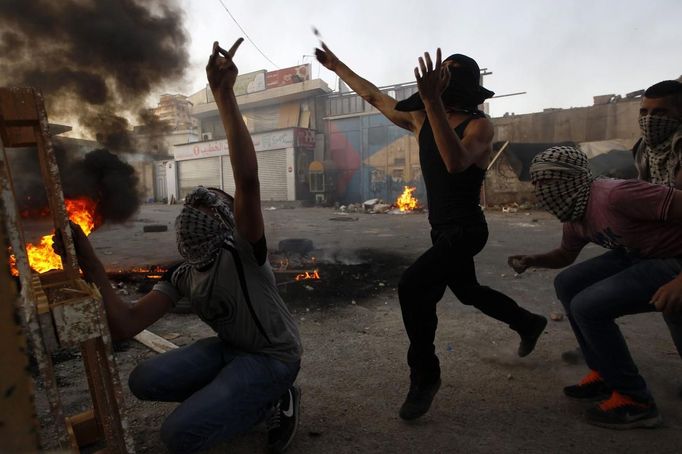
x=155 y=228
x=343 y=218
x=369 y=205
x=156 y=343
x=556 y=316
x=270 y=209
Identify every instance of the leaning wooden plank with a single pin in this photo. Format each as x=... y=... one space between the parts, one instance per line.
x=156 y=343
x=29 y=299
x=18 y=424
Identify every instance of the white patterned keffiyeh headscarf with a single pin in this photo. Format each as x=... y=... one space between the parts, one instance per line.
x=200 y=236
x=658 y=133
x=565 y=180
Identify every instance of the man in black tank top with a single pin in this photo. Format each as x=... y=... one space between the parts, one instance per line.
x=454 y=148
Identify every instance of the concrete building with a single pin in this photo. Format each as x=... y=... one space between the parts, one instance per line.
x=605 y=131
x=313 y=144
x=281 y=110
x=366 y=155
x=173 y=124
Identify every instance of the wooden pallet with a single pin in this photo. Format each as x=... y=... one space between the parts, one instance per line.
x=59 y=309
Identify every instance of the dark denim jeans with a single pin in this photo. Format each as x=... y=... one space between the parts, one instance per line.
x=222 y=392
x=599 y=290
x=448 y=263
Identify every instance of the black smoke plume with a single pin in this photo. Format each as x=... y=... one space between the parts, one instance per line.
x=112 y=183
x=99 y=175
x=97 y=60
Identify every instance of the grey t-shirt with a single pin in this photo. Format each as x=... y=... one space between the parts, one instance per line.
x=217 y=298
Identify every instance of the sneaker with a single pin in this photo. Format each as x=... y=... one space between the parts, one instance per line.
x=418 y=400
x=283 y=420
x=591 y=388
x=624 y=412
x=530 y=336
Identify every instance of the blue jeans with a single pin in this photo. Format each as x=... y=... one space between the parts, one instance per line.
x=595 y=293
x=222 y=392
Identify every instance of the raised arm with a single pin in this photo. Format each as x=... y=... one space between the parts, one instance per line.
x=458 y=155
x=222 y=74
x=367 y=90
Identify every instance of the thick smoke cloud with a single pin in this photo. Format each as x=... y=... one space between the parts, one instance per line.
x=108 y=180
x=95 y=59
x=96 y=62
x=99 y=175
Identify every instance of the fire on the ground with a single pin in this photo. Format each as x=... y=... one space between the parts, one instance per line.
x=407 y=202
x=41 y=256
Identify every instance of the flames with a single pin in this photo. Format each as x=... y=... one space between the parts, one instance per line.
x=41 y=257
x=308 y=275
x=406 y=202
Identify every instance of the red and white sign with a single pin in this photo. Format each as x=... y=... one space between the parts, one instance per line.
x=287 y=76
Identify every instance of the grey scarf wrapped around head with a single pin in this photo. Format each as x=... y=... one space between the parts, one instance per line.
x=200 y=236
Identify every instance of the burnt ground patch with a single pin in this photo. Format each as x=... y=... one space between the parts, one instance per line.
x=370 y=272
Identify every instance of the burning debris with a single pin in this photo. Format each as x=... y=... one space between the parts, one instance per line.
x=98 y=188
x=406 y=202
x=41 y=257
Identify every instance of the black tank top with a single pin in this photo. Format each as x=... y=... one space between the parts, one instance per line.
x=453 y=198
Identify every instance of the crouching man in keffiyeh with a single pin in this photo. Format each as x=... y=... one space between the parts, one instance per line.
x=640 y=223
x=245 y=374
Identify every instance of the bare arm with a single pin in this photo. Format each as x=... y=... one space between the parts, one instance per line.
x=222 y=73
x=458 y=155
x=125 y=320
x=557 y=258
x=367 y=90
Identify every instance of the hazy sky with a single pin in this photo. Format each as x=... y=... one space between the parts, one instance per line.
x=561 y=52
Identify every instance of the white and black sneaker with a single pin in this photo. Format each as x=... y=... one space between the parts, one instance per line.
x=283 y=420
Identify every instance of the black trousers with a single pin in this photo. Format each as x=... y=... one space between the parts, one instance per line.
x=448 y=263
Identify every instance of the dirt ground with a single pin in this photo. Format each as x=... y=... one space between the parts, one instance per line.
x=354 y=375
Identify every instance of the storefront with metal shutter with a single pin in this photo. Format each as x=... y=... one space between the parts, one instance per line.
x=279 y=153
x=272 y=173
x=195 y=172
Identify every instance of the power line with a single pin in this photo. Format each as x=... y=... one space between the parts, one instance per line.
x=247 y=36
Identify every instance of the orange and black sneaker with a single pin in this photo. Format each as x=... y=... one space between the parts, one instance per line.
x=624 y=412
x=591 y=388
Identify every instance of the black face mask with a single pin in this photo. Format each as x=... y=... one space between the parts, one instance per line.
x=463 y=92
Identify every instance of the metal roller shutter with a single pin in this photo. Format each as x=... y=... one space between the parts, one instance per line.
x=272 y=173
x=195 y=172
